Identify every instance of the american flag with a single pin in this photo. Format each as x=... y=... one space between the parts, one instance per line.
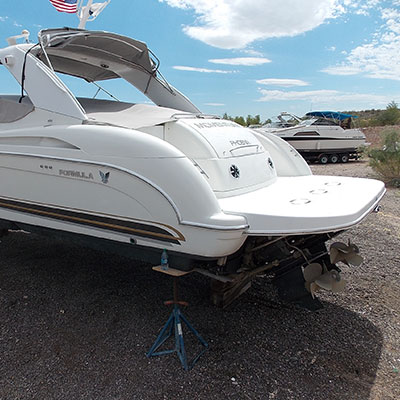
x=68 y=6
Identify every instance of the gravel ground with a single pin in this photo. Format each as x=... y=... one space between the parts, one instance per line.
x=76 y=324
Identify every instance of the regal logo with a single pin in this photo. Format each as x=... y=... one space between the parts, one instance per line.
x=75 y=174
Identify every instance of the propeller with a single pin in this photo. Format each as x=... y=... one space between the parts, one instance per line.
x=318 y=277
x=346 y=253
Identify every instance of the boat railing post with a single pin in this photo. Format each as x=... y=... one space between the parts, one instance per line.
x=84 y=14
x=90 y=12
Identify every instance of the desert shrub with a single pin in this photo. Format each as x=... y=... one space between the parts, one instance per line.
x=370 y=122
x=386 y=161
x=391 y=116
x=363 y=152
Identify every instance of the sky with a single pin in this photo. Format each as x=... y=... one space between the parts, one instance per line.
x=247 y=56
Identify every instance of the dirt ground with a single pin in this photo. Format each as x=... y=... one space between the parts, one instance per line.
x=76 y=324
x=373 y=134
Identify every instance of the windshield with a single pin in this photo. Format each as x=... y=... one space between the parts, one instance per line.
x=115 y=89
x=308 y=122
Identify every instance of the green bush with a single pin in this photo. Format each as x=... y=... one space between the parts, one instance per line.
x=369 y=122
x=391 y=116
x=386 y=161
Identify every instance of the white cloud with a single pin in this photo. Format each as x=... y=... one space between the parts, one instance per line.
x=282 y=82
x=362 y=7
x=342 y=70
x=235 y=24
x=205 y=70
x=327 y=98
x=315 y=95
x=252 y=52
x=2 y=19
x=246 y=61
x=381 y=57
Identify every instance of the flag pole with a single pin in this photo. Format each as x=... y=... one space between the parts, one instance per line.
x=84 y=14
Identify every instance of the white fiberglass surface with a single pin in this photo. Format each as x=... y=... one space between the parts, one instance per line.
x=306 y=204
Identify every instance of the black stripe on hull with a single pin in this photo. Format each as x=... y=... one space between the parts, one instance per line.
x=95 y=221
x=135 y=252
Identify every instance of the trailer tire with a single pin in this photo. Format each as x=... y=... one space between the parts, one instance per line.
x=344 y=158
x=334 y=158
x=323 y=159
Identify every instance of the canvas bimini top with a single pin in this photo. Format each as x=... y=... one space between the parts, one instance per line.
x=330 y=114
x=98 y=56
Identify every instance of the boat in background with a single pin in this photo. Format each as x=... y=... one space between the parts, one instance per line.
x=322 y=136
x=141 y=179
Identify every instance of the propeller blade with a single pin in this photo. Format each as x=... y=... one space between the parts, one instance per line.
x=336 y=252
x=354 y=259
x=327 y=280
x=339 y=246
x=354 y=247
x=334 y=255
x=314 y=289
x=312 y=271
x=346 y=253
x=338 y=286
x=317 y=277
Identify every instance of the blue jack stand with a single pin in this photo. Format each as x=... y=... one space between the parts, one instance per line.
x=174 y=323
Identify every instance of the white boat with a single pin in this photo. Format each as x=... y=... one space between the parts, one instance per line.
x=324 y=136
x=141 y=178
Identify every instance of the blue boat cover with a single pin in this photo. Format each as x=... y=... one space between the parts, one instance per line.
x=330 y=114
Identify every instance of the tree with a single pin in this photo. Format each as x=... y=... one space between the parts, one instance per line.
x=240 y=121
x=253 y=120
x=250 y=120
x=391 y=116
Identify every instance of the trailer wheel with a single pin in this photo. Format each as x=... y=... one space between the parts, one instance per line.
x=323 y=159
x=334 y=158
x=344 y=158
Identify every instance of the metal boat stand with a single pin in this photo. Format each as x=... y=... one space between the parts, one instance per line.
x=174 y=324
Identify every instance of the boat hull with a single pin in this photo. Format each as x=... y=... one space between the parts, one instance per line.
x=113 y=203
x=343 y=145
